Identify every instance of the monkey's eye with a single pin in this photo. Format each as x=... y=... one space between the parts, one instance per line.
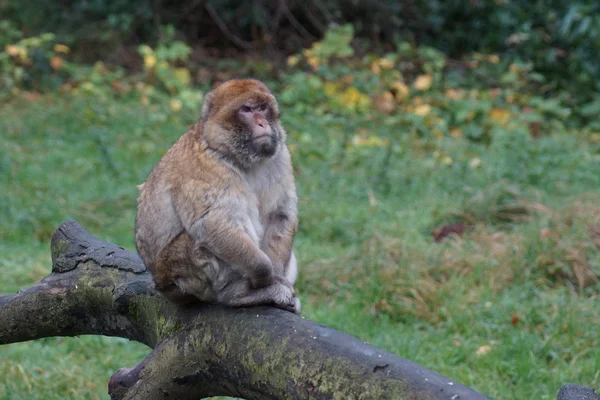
x=263 y=107
x=245 y=109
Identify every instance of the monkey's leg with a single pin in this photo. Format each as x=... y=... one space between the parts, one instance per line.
x=180 y=271
x=239 y=293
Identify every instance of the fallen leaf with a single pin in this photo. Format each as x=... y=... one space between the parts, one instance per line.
x=514 y=319
x=475 y=162
x=447 y=230
x=483 y=350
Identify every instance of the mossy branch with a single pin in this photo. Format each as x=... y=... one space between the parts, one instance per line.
x=253 y=353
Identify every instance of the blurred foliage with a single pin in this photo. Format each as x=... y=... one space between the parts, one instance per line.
x=559 y=40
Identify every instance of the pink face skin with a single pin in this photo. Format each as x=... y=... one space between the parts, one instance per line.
x=255 y=118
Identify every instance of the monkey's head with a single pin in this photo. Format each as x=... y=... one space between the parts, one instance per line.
x=241 y=121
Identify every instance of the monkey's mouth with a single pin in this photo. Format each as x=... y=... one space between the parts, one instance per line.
x=262 y=138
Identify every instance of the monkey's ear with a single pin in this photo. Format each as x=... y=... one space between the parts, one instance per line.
x=207 y=104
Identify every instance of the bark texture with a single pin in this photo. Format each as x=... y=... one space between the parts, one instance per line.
x=207 y=350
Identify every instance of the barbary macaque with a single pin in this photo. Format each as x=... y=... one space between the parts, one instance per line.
x=217 y=216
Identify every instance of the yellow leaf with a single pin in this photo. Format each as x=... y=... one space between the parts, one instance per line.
x=423 y=110
x=12 y=50
x=144 y=100
x=453 y=94
x=423 y=82
x=330 y=88
x=149 y=61
x=352 y=97
x=61 y=48
x=500 y=115
x=313 y=62
x=292 y=60
x=371 y=141
x=386 y=64
x=456 y=132
x=447 y=160
x=483 y=350
x=402 y=91
x=175 y=104
x=183 y=75
x=494 y=59
x=375 y=68
x=514 y=68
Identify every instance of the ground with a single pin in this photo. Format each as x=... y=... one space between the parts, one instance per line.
x=506 y=307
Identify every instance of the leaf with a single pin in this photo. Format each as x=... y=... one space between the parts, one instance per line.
x=292 y=60
x=483 y=350
x=500 y=115
x=61 y=48
x=56 y=63
x=12 y=50
x=149 y=61
x=423 y=82
x=402 y=91
x=422 y=110
x=454 y=94
x=175 y=104
x=183 y=75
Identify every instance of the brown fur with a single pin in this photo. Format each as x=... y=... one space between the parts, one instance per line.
x=218 y=213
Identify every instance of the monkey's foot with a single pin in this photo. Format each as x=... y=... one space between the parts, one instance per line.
x=294 y=306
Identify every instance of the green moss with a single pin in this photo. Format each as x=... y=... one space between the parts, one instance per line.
x=150 y=313
x=59 y=247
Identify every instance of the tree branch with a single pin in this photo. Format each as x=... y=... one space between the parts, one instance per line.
x=207 y=350
x=225 y=31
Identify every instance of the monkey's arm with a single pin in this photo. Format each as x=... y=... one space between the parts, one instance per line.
x=280 y=231
x=218 y=226
x=233 y=245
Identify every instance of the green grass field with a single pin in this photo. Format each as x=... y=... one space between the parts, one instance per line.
x=510 y=308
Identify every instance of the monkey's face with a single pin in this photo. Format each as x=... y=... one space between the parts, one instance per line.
x=257 y=133
x=241 y=121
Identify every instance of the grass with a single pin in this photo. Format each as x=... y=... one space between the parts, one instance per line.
x=507 y=308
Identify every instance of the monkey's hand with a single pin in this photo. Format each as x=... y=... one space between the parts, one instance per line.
x=285 y=297
x=261 y=276
x=229 y=242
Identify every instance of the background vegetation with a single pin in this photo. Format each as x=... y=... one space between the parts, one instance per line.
x=447 y=156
